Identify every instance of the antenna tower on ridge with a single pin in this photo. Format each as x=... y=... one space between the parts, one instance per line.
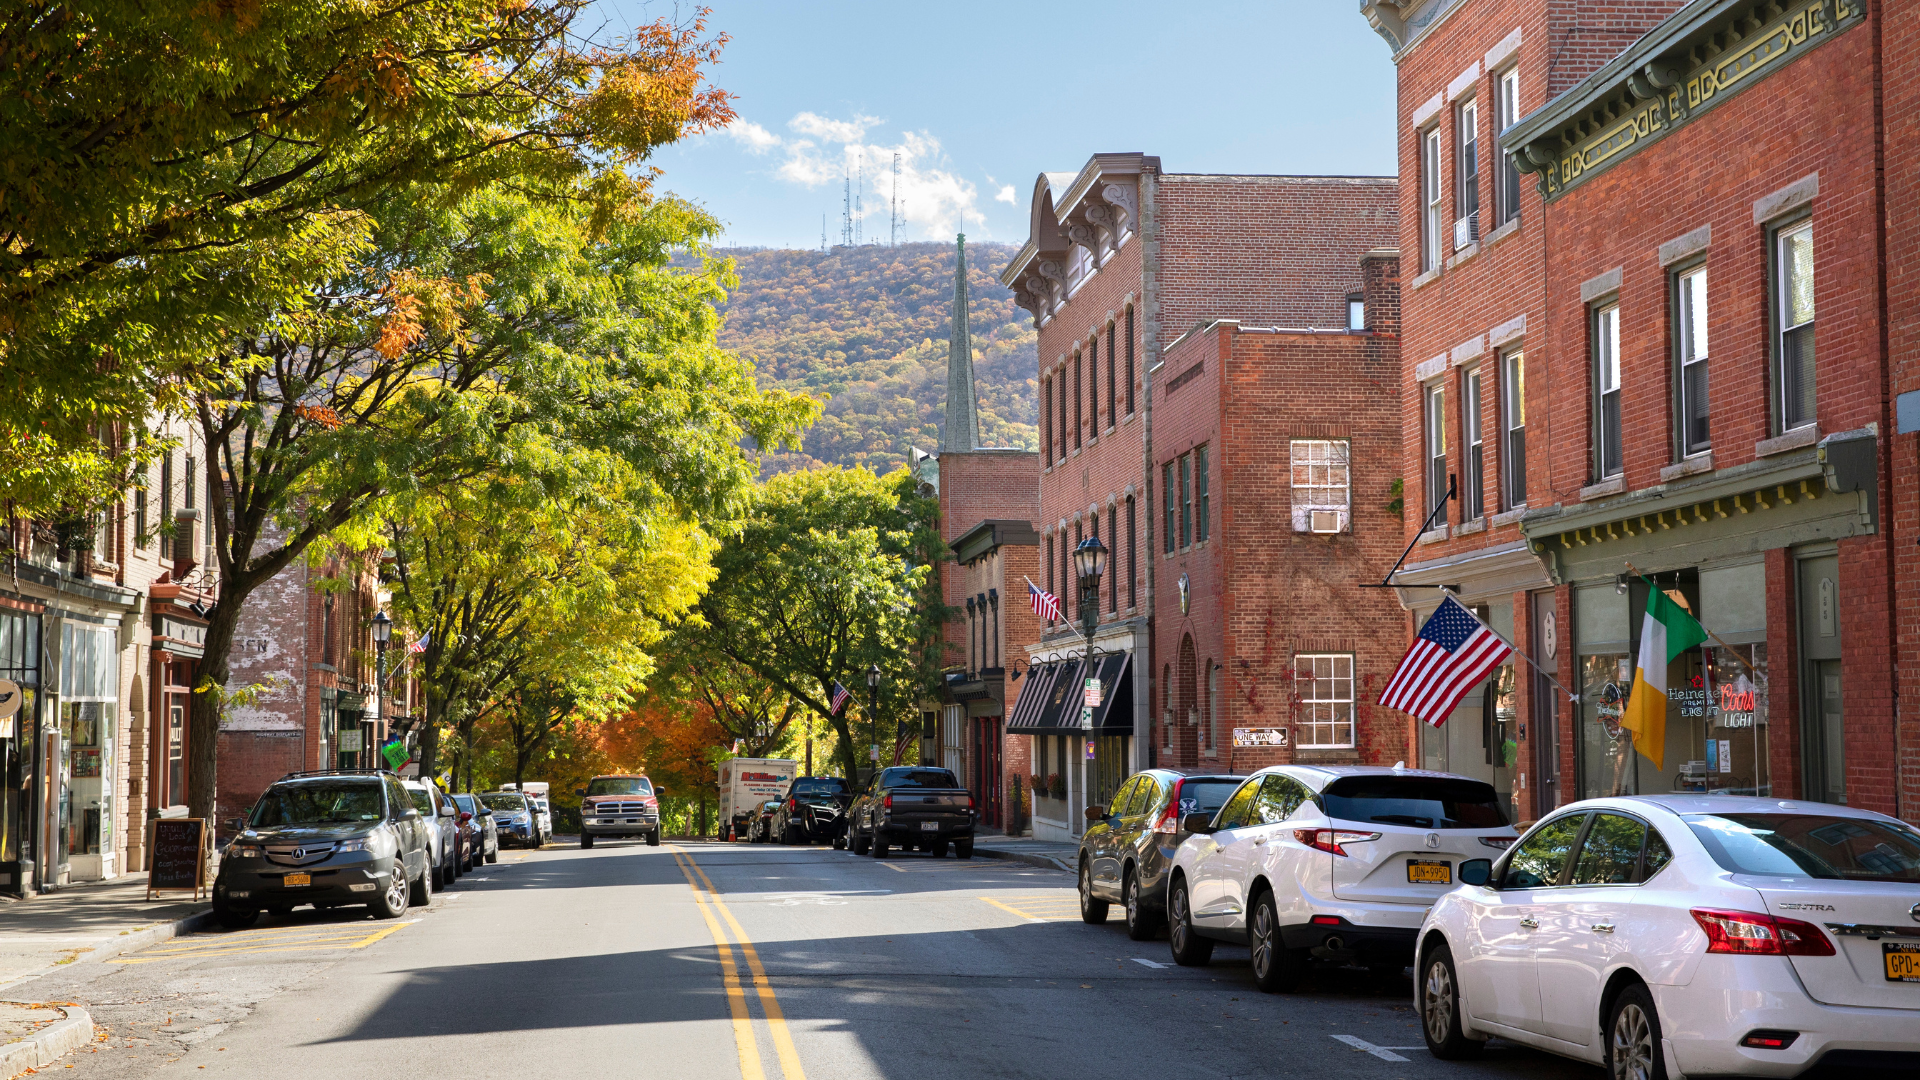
x=823 y=232
x=859 y=190
x=893 y=214
x=846 y=211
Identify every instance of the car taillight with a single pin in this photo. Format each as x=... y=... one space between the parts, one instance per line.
x=1500 y=842
x=793 y=806
x=969 y=802
x=1169 y=823
x=887 y=802
x=1331 y=839
x=1750 y=933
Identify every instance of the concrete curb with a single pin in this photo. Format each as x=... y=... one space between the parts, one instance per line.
x=151 y=935
x=1045 y=862
x=48 y=1044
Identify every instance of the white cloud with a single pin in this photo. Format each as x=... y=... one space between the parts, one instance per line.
x=1005 y=195
x=829 y=130
x=752 y=137
x=934 y=201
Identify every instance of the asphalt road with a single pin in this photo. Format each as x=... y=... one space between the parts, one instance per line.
x=705 y=961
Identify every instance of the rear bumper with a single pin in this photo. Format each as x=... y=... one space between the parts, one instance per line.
x=1704 y=1021
x=1372 y=943
x=912 y=831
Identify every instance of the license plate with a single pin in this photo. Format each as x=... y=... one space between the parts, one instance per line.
x=1429 y=872
x=296 y=880
x=929 y=826
x=1903 y=962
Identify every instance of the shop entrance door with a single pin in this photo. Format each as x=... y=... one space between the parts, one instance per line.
x=1543 y=707
x=988 y=766
x=1822 y=731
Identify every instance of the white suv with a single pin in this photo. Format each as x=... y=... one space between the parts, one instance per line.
x=1336 y=862
x=1690 y=935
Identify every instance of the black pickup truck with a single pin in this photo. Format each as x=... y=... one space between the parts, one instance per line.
x=912 y=807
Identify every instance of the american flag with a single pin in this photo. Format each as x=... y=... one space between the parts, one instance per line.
x=840 y=696
x=1452 y=654
x=421 y=645
x=1045 y=604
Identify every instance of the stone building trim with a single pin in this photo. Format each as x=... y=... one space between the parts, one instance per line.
x=1600 y=285
x=1687 y=245
x=1787 y=199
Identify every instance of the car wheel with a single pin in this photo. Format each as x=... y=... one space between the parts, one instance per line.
x=861 y=845
x=1092 y=909
x=494 y=855
x=793 y=835
x=963 y=848
x=879 y=846
x=392 y=903
x=1440 y=1009
x=653 y=838
x=1633 y=1038
x=1189 y=948
x=586 y=840
x=420 y=893
x=466 y=864
x=1276 y=968
x=235 y=918
x=839 y=842
x=1140 y=923
x=439 y=879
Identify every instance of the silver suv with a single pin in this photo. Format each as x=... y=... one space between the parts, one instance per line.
x=443 y=829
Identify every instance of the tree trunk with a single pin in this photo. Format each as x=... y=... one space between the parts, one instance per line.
x=430 y=737
x=203 y=737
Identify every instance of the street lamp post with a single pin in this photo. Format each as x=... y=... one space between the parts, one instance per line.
x=1089 y=562
x=382 y=632
x=873 y=702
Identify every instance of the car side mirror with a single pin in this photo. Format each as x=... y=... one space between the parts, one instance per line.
x=238 y=824
x=1476 y=871
x=447 y=810
x=580 y=791
x=413 y=812
x=1198 y=823
x=1096 y=812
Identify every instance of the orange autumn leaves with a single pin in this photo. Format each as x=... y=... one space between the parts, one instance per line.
x=417 y=304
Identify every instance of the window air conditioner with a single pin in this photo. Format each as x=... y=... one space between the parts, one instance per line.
x=1466 y=231
x=1325 y=521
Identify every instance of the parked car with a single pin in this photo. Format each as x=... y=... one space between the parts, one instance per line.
x=761 y=829
x=1335 y=862
x=913 y=807
x=1715 y=934
x=1128 y=846
x=543 y=813
x=617 y=806
x=443 y=828
x=514 y=818
x=483 y=832
x=812 y=811
x=328 y=839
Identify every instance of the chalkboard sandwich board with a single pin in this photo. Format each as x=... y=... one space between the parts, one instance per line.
x=179 y=856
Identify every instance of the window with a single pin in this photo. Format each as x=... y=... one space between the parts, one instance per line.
x=1513 y=421
x=1213 y=705
x=1052 y=584
x=1610 y=855
x=1466 y=175
x=1129 y=359
x=1324 y=686
x=1079 y=418
x=140 y=535
x=166 y=506
x=1474 y=496
x=1432 y=213
x=1239 y=809
x=1606 y=392
x=1166 y=497
x=1186 y=500
x=1690 y=333
x=1113 y=418
x=1133 y=576
x=1061 y=378
x=1113 y=537
x=1322 y=498
x=1793 y=266
x=1436 y=424
x=1046 y=415
x=1202 y=501
x=186 y=497
x=1356 y=311
x=1507 y=113
x=1542 y=858
x=1279 y=797
x=1093 y=387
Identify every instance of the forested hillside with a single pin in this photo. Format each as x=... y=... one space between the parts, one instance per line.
x=869 y=326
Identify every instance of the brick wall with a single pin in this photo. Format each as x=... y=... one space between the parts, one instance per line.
x=1900 y=117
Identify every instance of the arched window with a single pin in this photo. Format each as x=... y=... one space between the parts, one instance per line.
x=1188 y=706
x=1129 y=359
x=1079 y=415
x=1213 y=704
x=1093 y=386
x=1113 y=418
x=1046 y=415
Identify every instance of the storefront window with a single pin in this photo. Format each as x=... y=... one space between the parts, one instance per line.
x=1607 y=765
x=20 y=665
x=89 y=685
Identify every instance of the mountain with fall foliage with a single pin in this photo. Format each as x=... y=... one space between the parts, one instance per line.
x=867 y=328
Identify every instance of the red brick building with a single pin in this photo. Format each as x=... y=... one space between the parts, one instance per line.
x=1620 y=220
x=1121 y=260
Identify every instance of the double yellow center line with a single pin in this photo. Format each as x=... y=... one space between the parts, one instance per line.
x=707 y=899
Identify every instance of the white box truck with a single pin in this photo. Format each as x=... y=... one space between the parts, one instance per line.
x=746 y=783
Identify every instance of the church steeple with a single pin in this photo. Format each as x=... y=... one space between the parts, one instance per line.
x=962 y=432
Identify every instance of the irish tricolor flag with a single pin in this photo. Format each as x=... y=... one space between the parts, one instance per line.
x=1668 y=632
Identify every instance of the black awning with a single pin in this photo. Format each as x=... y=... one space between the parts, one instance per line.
x=1059 y=710
x=1033 y=696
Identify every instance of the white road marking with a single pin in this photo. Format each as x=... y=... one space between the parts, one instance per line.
x=1381 y=1052
x=1149 y=963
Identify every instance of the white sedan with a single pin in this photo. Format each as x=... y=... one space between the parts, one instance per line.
x=1687 y=935
x=1338 y=862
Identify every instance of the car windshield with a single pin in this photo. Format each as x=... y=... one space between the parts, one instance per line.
x=1205 y=796
x=319 y=802
x=540 y=805
x=620 y=785
x=926 y=778
x=1811 y=845
x=509 y=804
x=1424 y=802
x=823 y=787
x=464 y=802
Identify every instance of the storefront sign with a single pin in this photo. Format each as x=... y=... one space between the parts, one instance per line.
x=350 y=741
x=179 y=855
x=1259 y=736
x=1550 y=634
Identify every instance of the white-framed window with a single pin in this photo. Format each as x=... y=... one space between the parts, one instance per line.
x=1433 y=211
x=1507 y=113
x=1690 y=348
x=1793 y=269
x=1436 y=446
x=1323 y=685
x=1606 y=392
x=1322 y=490
x=1356 y=311
x=1513 y=429
x=1466 y=174
x=1473 y=496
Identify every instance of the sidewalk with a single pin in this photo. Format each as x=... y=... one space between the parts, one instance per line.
x=1051 y=854
x=86 y=923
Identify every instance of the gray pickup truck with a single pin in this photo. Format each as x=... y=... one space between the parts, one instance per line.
x=913 y=808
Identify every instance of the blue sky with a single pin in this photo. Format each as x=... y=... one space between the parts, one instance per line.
x=978 y=97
